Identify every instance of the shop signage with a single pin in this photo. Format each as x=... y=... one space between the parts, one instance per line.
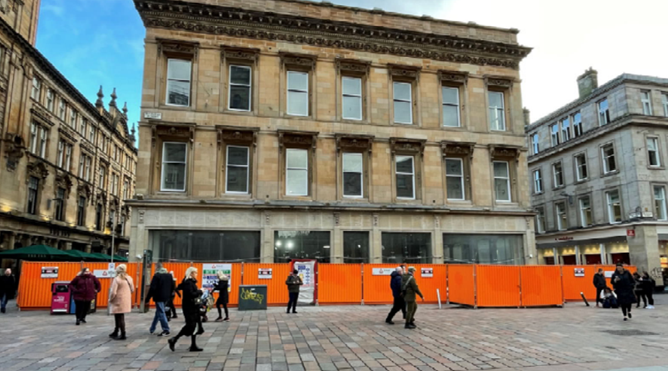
x=579 y=272
x=264 y=273
x=630 y=232
x=153 y=115
x=427 y=272
x=565 y=238
x=49 y=272
x=210 y=275
x=382 y=271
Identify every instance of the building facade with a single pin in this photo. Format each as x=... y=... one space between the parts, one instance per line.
x=67 y=165
x=598 y=175
x=286 y=129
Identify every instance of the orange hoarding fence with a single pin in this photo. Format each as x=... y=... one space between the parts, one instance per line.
x=541 y=286
x=277 y=290
x=461 y=284
x=431 y=279
x=610 y=269
x=376 y=283
x=578 y=279
x=339 y=283
x=498 y=286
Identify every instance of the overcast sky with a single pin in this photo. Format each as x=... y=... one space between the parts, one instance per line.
x=97 y=42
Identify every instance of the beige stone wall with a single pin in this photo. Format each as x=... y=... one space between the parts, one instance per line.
x=22 y=17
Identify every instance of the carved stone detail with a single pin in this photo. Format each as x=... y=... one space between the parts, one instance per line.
x=67 y=133
x=409 y=72
x=141 y=213
x=179 y=47
x=403 y=145
x=349 y=65
x=63 y=181
x=84 y=190
x=336 y=219
x=500 y=151
x=42 y=114
x=14 y=150
x=237 y=135
x=298 y=139
x=354 y=142
x=453 y=76
x=175 y=131
x=457 y=148
x=306 y=61
x=37 y=169
x=240 y=53
x=375 y=220
x=499 y=82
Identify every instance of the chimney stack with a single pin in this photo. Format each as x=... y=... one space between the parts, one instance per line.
x=527 y=116
x=587 y=82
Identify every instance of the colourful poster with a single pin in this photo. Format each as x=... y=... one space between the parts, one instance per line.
x=306 y=271
x=210 y=274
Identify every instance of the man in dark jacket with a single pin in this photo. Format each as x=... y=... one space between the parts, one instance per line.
x=410 y=290
x=162 y=286
x=7 y=289
x=599 y=283
x=399 y=303
x=293 y=282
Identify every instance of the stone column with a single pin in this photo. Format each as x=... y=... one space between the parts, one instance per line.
x=604 y=257
x=376 y=248
x=10 y=238
x=437 y=242
x=644 y=251
x=267 y=247
x=578 y=261
x=88 y=248
x=336 y=253
x=68 y=246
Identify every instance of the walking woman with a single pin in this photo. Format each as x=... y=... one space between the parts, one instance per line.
x=170 y=304
x=120 y=300
x=648 y=284
x=223 y=296
x=190 y=307
x=623 y=282
x=84 y=287
x=639 y=291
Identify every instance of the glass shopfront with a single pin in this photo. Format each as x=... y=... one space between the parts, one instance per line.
x=301 y=245
x=214 y=246
x=406 y=248
x=483 y=249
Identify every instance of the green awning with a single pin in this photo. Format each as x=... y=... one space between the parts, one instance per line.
x=36 y=252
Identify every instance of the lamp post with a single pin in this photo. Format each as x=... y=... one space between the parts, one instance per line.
x=113 y=233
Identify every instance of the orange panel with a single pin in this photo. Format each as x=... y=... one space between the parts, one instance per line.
x=105 y=283
x=339 y=283
x=461 y=284
x=573 y=285
x=498 y=285
x=611 y=268
x=376 y=289
x=429 y=285
x=277 y=291
x=541 y=286
x=34 y=291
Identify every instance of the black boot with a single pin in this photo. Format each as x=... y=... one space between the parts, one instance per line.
x=114 y=334
x=121 y=337
x=172 y=342
x=193 y=345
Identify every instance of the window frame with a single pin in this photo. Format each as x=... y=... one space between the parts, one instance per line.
x=581 y=211
x=343 y=176
x=32 y=207
x=74 y=118
x=230 y=84
x=167 y=81
x=36 y=89
x=557 y=184
x=507 y=178
x=578 y=130
x=410 y=102
x=50 y=103
x=558 y=215
x=64 y=154
x=288 y=168
x=59 y=209
x=457 y=105
x=646 y=102
x=81 y=211
x=103 y=177
x=656 y=150
x=360 y=97
x=537 y=181
x=62 y=109
x=555 y=136
x=664 y=100
x=462 y=178
x=502 y=109
x=162 y=168
x=540 y=219
x=412 y=174
x=603 y=115
x=609 y=205
x=535 y=143
x=565 y=129
x=307 y=92
x=605 y=167
x=578 y=166
x=247 y=166
x=664 y=209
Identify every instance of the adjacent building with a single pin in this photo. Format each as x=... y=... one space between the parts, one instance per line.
x=290 y=129
x=598 y=174
x=67 y=165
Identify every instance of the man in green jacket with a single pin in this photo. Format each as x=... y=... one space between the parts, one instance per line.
x=410 y=289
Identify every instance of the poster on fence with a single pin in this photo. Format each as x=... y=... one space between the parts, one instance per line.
x=210 y=274
x=579 y=272
x=427 y=272
x=382 y=271
x=306 y=269
x=49 y=272
x=101 y=273
x=264 y=273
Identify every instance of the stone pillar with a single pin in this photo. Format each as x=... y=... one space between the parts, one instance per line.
x=267 y=248
x=644 y=251
x=578 y=261
x=10 y=238
x=336 y=253
x=555 y=252
x=88 y=248
x=437 y=242
x=376 y=248
x=68 y=246
x=604 y=258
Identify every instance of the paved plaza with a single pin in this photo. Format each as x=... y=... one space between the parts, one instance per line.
x=350 y=338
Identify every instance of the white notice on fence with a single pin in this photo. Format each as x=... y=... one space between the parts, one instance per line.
x=49 y=272
x=608 y=274
x=427 y=272
x=382 y=271
x=264 y=273
x=101 y=273
x=579 y=272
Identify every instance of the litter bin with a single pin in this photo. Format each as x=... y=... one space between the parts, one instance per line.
x=252 y=297
x=61 y=298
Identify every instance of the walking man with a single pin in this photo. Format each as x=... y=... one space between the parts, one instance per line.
x=599 y=283
x=293 y=282
x=410 y=289
x=399 y=303
x=7 y=289
x=162 y=286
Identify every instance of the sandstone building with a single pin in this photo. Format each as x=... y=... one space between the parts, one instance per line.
x=284 y=129
x=598 y=173
x=67 y=165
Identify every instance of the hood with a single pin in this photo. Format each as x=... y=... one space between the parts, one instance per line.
x=163 y=271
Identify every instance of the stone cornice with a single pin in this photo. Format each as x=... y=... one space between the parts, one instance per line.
x=234 y=22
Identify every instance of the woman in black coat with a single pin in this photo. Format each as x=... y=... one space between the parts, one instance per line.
x=190 y=309
x=624 y=284
x=223 y=296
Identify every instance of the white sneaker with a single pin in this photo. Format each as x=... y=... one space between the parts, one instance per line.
x=650 y=307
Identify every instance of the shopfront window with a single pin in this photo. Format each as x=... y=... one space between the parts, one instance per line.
x=228 y=246
x=301 y=245
x=483 y=249
x=356 y=247
x=406 y=248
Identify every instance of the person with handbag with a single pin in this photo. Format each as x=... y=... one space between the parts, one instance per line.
x=409 y=290
x=192 y=300
x=84 y=287
x=120 y=300
x=223 y=296
x=293 y=282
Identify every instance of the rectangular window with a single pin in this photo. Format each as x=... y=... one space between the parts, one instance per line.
x=355 y=247
x=298 y=100
x=99 y=211
x=62 y=109
x=577 y=125
x=403 y=103
x=34 y=138
x=562 y=216
x=91 y=134
x=537 y=182
x=585 y=212
x=540 y=220
x=301 y=245
x=405 y=177
x=483 y=249
x=454 y=173
x=614 y=206
x=81 y=211
x=84 y=167
x=646 y=99
x=353 y=176
x=114 y=184
x=83 y=127
x=210 y=245
x=554 y=135
x=240 y=88
x=565 y=129
x=33 y=188
x=36 y=89
x=60 y=204
x=535 y=143
x=653 y=152
x=664 y=99
x=352 y=98
x=406 y=248
x=451 y=117
x=174 y=160
x=558 y=175
x=50 y=97
x=126 y=189
x=64 y=155
x=502 y=181
x=603 y=113
x=497 y=118
x=103 y=177
x=608 y=154
x=296 y=180
x=74 y=118
x=178 y=82
x=660 y=203
x=238 y=166
x=581 y=166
